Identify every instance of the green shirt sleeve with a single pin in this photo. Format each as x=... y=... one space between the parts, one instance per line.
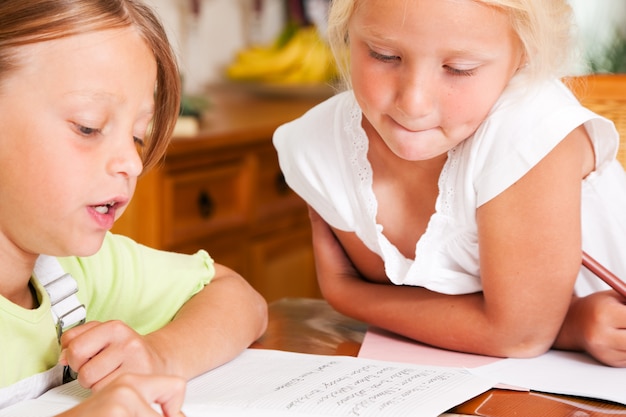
x=141 y=286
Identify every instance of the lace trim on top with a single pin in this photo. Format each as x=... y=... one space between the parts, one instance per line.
x=397 y=265
x=446 y=191
x=358 y=147
x=437 y=230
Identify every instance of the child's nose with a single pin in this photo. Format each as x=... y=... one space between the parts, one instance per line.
x=415 y=96
x=126 y=159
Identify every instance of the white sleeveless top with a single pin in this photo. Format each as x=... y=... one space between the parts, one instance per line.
x=323 y=156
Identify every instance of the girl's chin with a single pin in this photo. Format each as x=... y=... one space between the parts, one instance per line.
x=415 y=154
x=87 y=247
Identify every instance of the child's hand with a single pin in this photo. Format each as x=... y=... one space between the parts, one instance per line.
x=133 y=396
x=100 y=352
x=602 y=323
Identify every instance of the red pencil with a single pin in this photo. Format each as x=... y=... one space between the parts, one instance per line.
x=604 y=274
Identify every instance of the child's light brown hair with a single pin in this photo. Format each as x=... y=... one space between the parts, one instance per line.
x=24 y=22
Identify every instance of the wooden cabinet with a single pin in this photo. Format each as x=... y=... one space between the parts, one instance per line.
x=222 y=190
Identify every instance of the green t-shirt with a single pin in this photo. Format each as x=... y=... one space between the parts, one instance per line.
x=125 y=281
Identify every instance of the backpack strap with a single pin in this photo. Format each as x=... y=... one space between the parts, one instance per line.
x=67 y=310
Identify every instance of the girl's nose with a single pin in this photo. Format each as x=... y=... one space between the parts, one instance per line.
x=126 y=159
x=416 y=95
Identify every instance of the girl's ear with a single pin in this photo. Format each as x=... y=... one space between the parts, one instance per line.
x=523 y=60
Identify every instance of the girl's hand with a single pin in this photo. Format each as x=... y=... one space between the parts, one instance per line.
x=601 y=326
x=134 y=396
x=100 y=352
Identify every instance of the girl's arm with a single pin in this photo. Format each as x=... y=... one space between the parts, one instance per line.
x=213 y=327
x=529 y=239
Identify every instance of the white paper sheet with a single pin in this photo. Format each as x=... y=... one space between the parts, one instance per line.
x=50 y=404
x=274 y=383
x=315 y=385
x=560 y=372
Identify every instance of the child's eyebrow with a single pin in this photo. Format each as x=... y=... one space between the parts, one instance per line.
x=108 y=97
x=469 y=53
x=95 y=95
x=371 y=31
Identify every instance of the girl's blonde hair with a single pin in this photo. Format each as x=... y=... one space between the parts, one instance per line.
x=24 y=22
x=544 y=27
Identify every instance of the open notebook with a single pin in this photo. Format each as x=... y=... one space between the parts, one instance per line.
x=275 y=383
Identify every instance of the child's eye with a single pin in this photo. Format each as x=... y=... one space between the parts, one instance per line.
x=86 y=131
x=461 y=72
x=139 y=142
x=384 y=58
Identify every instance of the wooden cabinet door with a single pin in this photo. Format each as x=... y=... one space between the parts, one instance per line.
x=282 y=265
x=228 y=250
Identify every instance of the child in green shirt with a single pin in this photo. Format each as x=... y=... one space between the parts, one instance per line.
x=89 y=94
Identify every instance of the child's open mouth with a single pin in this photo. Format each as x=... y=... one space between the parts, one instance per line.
x=104 y=209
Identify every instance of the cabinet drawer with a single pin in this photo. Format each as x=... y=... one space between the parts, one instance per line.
x=198 y=203
x=274 y=197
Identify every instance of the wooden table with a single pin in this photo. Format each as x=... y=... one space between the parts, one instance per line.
x=312 y=326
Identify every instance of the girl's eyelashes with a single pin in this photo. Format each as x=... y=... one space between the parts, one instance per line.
x=460 y=72
x=85 y=130
x=395 y=58
x=383 y=58
x=139 y=141
x=91 y=131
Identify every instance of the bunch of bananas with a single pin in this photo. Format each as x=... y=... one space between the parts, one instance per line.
x=301 y=58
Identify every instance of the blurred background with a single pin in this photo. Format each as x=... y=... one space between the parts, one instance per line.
x=249 y=66
x=209 y=33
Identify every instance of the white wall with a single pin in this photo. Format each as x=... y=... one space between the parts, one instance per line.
x=208 y=43
x=597 y=22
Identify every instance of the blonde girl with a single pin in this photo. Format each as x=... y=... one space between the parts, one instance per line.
x=454 y=183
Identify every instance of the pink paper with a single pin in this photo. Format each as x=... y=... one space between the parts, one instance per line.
x=382 y=345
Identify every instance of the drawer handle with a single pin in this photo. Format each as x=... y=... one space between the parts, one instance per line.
x=206 y=207
x=281 y=185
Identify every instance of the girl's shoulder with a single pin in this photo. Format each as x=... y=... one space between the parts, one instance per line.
x=322 y=139
x=322 y=154
x=320 y=124
x=525 y=124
